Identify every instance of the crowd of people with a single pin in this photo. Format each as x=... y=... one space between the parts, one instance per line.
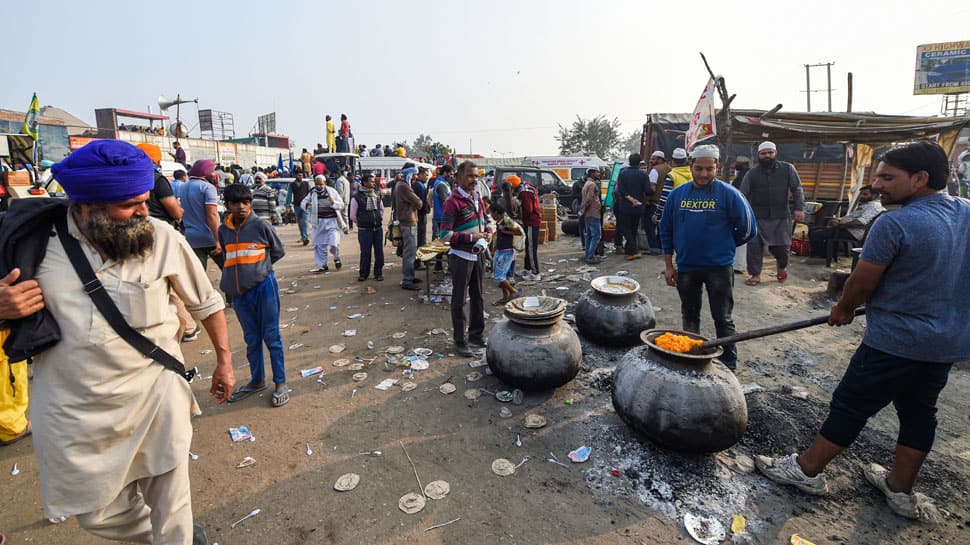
x=111 y=404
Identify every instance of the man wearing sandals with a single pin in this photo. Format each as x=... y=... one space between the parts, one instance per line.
x=251 y=247
x=911 y=278
x=113 y=427
x=767 y=188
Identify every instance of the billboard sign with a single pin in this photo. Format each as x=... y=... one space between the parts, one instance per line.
x=942 y=69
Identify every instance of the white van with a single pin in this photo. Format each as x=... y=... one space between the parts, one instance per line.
x=385 y=168
x=568 y=168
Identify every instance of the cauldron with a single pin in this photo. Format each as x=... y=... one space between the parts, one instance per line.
x=613 y=312
x=532 y=349
x=683 y=402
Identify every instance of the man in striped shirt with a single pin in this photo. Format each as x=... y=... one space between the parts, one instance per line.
x=464 y=226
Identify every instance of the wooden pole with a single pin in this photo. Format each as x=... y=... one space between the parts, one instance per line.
x=848 y=106
x=726 y=127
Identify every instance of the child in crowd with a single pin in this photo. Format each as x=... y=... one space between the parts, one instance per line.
x=504 y=256
x=251 y=247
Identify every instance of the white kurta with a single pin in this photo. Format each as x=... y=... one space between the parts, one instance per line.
x=104 y=415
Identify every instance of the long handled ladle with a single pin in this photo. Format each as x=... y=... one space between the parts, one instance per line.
x=764 y=332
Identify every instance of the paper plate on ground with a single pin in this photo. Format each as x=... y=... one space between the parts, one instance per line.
x=704 y=530
x=535 y=421
x=337 y=348
x=400 y=334
x=423 y=352
x=473 y=394
x=503 y=467
x=420 y=365
x=408 y=386
x=359 y=377
x=474 y=376
x=411 y=503
x=347 y=481
x=356 y=367
x=447 y=388
x=341 y=363
x=437 y=489
x=395 y=349
x=438 y=331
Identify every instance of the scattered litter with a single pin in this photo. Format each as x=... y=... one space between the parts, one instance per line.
x=375 y=453
x=799 y=392
x=518 y=441
x=386 y=384
x=355 y=316
x=359 y=377
x=205 y=352
x=473 y=394
x=503 y=467
x=569 y=317
x=505 y=413
x=437 y=489
x=346 y=482
x=58 y=520
x=193 y=456
x=394 y=349
x=447 y=388
x=292 y=309
x=553 y=460
x=562 y=288
x=251 y=514
x=408 y=386
x=438 y=331
x=704 y=530
x=420 y=365
x=399 y=334
x=353 y=393
x=246 y=462
x=518 y=396
x=310 y=372
x=411 y=503
x=241 y=433
x=356 y=367
x=799 y=540
x=333 y=308
x=371 y=290
x=309 y=451
x=622 y=273
x=442 y=524
x=423 y=352
x=738 y=524
x=587 y=269
x=504 y=396
x=751 y=388
x=350 y=333
x=524 y=460
x=568 y=401
x=295 y=346
x=370 y=345
x=531 y=302
x=580 y=455
x=474 y=376
x=477 y=363
x=15 y=471
x=340 y=362
x=573 y=278
x=337 y=348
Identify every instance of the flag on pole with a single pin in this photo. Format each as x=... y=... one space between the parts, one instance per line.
x=702 y=126
x=279 y=165
x=291 y=163
x=31 y=120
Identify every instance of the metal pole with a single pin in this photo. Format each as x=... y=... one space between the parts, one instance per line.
x=848 y=107
x=178 y=112
x=808 y=90
x=828 y=70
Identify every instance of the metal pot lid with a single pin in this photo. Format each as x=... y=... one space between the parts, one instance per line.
x=649 y=335
x=541 y=307
x=615 y=285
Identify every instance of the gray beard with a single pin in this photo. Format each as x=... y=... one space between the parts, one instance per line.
x=119 y=241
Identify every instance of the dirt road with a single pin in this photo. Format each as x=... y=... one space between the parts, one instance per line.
x=629 y=492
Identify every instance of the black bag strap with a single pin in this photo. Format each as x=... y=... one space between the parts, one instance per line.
x=108 y=309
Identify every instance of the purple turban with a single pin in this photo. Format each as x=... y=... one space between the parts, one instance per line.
x=105 y=171
x=202 y=168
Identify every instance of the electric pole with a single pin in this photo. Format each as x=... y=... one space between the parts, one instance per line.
x=808 y=84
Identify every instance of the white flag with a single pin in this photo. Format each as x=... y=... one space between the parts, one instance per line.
x=702 y=125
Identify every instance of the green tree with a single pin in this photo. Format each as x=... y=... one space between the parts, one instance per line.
x=598 y=136
x=424 y=144
x=630 y=144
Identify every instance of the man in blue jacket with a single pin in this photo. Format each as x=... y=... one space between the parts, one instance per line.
x=703 y=221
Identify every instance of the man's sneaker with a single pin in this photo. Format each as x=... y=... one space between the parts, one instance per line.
x=410 y=287
x=785 y=470
x=537 y=277
x=914 y=506
x=463 y=350
x=189 y=337
x=477 y=344
x=337 y=263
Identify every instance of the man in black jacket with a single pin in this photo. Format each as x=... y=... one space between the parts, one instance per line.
x=632 y=189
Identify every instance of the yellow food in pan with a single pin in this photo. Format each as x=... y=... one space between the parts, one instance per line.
x=676 y=343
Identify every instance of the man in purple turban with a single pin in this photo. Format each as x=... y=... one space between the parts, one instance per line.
x=112 y=427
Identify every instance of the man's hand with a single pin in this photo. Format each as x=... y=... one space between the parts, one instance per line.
x=223 y=382
x=833 y=222
x=840 y=316
x=670 y=275
x=655 y=220
x=799 y=215
x=19 y=300
x=216 y=251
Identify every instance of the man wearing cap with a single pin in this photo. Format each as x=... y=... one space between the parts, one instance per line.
x=679 y=175
x=657 y=172
x=767 y=187
x=702 y=223
x=113 y=427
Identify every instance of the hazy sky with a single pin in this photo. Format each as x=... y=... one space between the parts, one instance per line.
x=496 y=77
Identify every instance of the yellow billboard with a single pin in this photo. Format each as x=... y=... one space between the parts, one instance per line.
x=942 y=69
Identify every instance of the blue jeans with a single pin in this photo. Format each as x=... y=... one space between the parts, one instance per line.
x=301 y=220
x=371 y=239
x=258 y=311
x=594 y=230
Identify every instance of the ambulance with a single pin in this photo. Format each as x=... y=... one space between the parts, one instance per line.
x=568 y=168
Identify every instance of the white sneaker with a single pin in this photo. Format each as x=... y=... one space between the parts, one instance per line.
x=785 y=470
x=537 y=277
x=912 y=506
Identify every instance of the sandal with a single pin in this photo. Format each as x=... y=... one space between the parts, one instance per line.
x=27 y=431
x=752 y=281
x=782 y=275
x=243 y=392
x=281 y=398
